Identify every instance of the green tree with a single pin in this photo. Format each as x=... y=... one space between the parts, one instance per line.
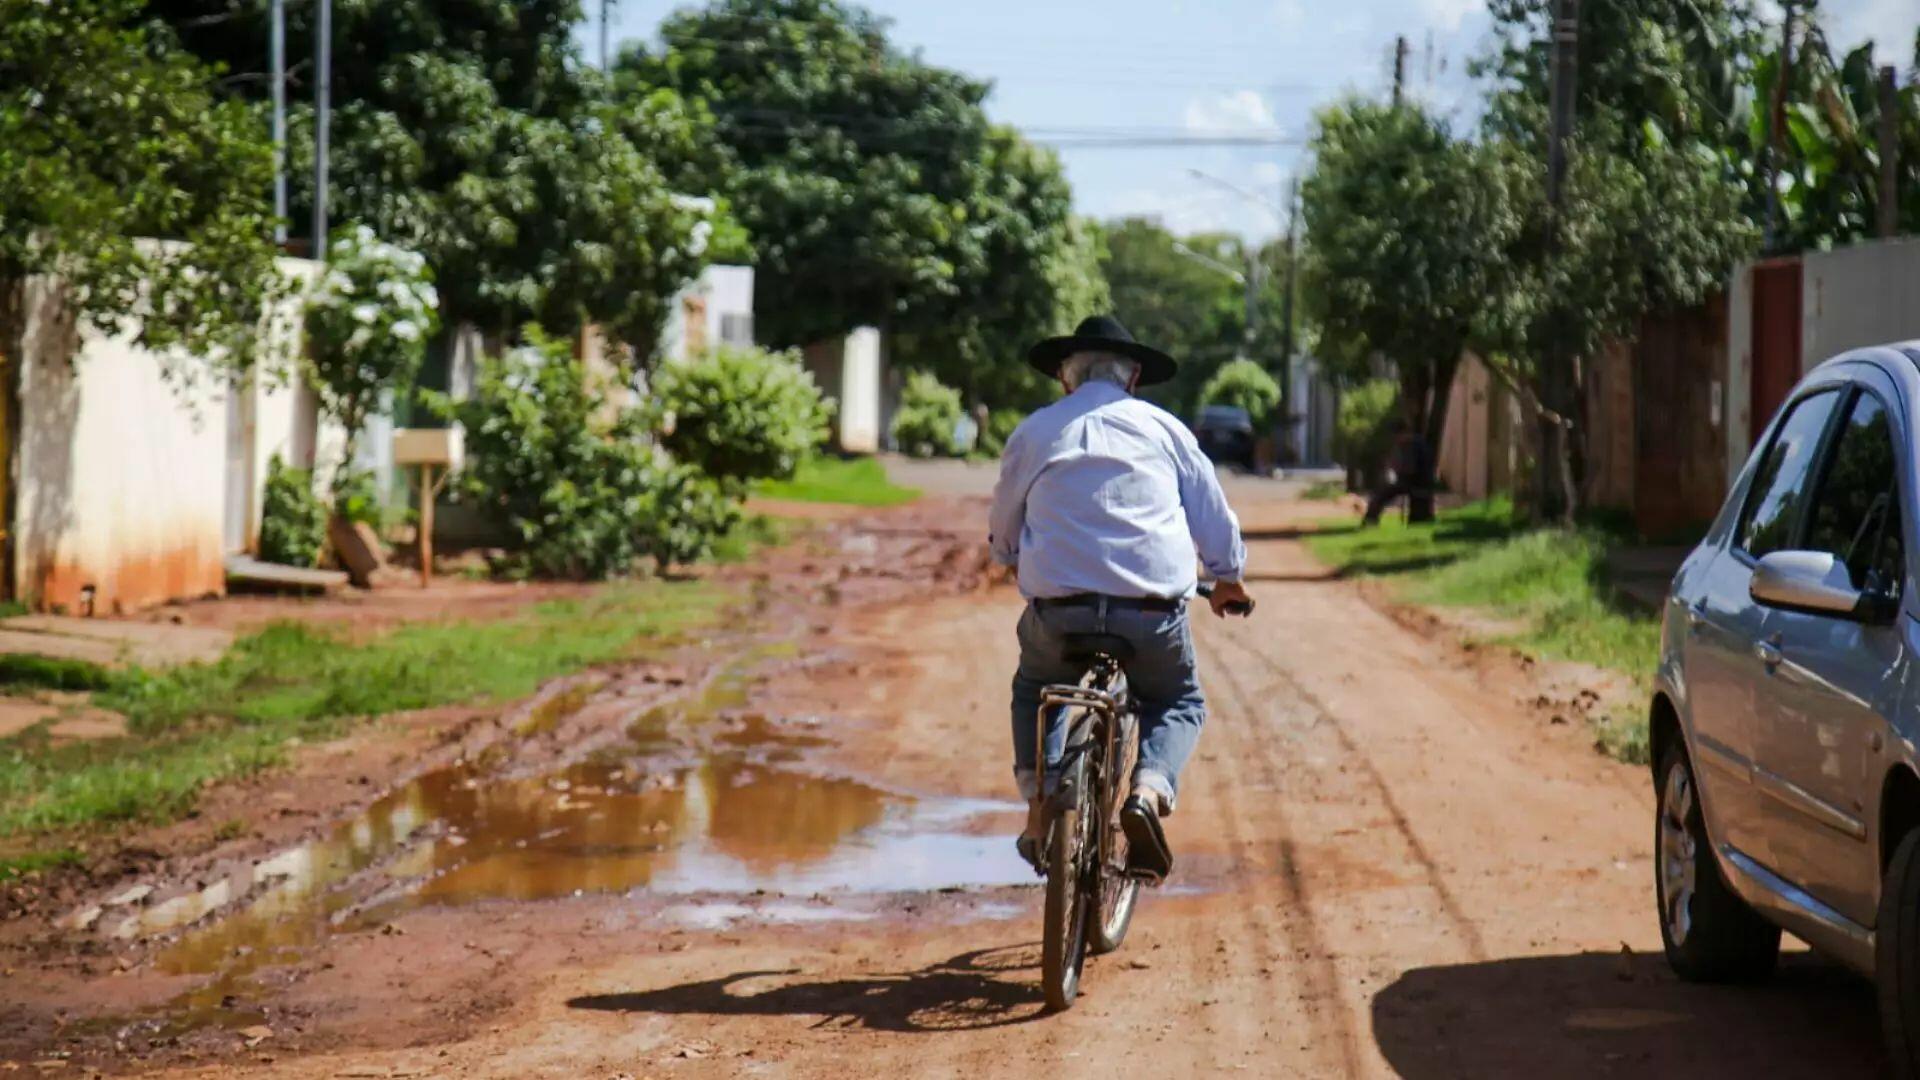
x=110 y=135
x=1408 y=235
x=474 y=135
x=1246 y=385
x=1174 y=302
x=874 y=190
x=368 y=320
x=1652 y=214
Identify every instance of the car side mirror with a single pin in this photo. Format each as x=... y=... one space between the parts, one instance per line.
x=1817 y=582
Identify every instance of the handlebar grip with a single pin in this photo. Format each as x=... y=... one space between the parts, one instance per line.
x=1242 y=608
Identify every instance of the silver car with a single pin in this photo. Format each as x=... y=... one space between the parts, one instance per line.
x=1787 y=704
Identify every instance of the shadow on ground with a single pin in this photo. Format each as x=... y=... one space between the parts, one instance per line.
x=983 y=989
x=1596 y=1015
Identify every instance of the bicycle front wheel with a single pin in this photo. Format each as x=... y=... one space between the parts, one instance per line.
x=1063 y=947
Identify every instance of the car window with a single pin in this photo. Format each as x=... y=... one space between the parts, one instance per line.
x=1774 y=500
x=1856 y=509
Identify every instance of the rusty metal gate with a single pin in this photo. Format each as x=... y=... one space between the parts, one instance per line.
x=1776 y=338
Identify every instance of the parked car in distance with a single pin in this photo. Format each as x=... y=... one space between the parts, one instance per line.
x=1226 y=434
x=1786 y=706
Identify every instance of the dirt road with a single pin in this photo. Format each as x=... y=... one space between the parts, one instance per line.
x=1388 y=865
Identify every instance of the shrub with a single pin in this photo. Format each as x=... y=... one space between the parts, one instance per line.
x=684 y=514
x=1247 y=385
x=579 y=483
x=293 y=521
x=1363 y=433
x=547 y=459
x=355 y=496
x=929 y=411
x=740 y=415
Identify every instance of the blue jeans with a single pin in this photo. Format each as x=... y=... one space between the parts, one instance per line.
x=1161 y=676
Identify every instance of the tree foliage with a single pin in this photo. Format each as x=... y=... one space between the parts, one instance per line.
x=1246 y=385
x=873 y=190
x=1409 y=232
x=110 y=134
x=368 y=320
x=1176 y=303
x=473 y=134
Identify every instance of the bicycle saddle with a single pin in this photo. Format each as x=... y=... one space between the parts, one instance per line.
x=1082 y=648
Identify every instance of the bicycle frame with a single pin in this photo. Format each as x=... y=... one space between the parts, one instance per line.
x=1095 y=702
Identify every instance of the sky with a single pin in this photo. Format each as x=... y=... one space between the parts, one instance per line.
x=1209 y=67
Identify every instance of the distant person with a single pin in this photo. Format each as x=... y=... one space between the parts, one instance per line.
x=1103 y=501
x=1409 y=477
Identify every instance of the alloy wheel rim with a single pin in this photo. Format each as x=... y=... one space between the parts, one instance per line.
x=1677 y=854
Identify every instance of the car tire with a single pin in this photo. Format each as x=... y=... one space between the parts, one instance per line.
x=1709 y=933
x=1897 y=957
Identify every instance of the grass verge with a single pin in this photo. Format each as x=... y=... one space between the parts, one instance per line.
x=1552 y=582
x=852 y=481
x=193 y=725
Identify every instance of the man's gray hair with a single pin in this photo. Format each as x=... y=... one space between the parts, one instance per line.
x=1084 y=367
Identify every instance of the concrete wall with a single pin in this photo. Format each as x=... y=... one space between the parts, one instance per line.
x=851 y=371
x=133 y=485
x=715 y=309
x=119 y=477
x=1867 y=294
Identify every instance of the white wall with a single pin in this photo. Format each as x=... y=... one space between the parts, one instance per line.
x=719 y=292
x=120 y=476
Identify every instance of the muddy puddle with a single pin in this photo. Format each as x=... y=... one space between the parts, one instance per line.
x=700 y=800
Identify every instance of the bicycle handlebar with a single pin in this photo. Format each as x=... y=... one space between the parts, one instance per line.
x=1242 y=608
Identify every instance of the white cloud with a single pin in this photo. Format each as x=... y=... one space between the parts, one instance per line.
x=1449 y=14
x=1289 y=14
x=1234 y=111
x=1890 y=24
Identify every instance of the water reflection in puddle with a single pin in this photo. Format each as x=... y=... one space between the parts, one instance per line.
x=734 y=811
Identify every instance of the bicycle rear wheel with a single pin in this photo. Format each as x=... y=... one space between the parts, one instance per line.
x=1063 y=947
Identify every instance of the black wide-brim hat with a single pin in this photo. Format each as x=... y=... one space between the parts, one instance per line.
x=1102 y=333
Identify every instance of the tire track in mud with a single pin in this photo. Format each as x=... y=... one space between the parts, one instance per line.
x=1317 y=981
x=1430 y=869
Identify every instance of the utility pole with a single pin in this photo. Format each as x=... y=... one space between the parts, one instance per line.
x=1776 y=126
x=278 y=59
x=1565 y=73
x=322 y=118
x=1889 y=154
x=1399 y=67
x=1286 y=322
x=605 y=6
x=1558 y=386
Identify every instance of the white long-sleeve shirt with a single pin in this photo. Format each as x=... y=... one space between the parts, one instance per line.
x=1101 y=492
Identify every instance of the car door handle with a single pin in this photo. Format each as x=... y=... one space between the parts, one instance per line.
x=1769 y=653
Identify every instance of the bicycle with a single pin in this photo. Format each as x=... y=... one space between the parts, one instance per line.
x=1090 y=892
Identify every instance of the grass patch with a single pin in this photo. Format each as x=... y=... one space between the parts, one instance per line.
x=33 y=862
x=1552 y=582
x=745 y=540
x=1324 y=491
x=196 y=724
x=852 y=481
x=20 y=671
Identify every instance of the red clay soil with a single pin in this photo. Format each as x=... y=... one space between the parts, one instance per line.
x=1389 y=863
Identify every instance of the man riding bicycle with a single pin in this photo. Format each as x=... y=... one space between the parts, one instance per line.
x=1102 y=502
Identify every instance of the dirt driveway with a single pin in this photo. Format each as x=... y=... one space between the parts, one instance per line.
x=1388 y=865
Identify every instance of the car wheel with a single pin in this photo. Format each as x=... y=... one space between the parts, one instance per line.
x=1897 y=956
x=1710 y=934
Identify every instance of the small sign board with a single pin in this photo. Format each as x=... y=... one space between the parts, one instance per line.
x=441 y=447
